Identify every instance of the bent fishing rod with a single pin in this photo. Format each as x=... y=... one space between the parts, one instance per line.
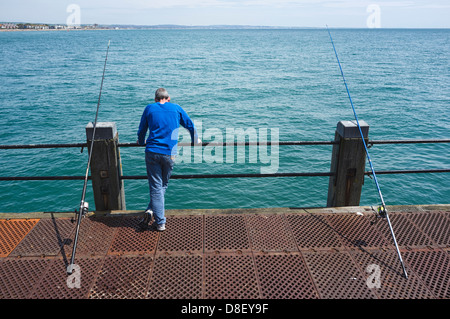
x=382 y=211
x=84 y=206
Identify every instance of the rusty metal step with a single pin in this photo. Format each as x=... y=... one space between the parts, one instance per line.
x=12 y=232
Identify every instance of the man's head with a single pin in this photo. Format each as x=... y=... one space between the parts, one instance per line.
x=161 y=94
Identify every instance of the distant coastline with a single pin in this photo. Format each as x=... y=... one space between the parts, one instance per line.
x=14 y=27
x=18 y=26
x=47 y=30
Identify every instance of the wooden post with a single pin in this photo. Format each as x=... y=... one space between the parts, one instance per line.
x=106 y=167
x=348 y=162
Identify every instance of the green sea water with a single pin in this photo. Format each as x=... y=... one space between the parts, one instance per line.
x=286 y=81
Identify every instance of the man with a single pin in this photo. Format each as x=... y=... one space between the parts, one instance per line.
x=162 y=119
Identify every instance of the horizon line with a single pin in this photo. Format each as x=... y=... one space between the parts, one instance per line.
x=217 y=26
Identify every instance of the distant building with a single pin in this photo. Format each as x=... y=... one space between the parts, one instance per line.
x=8 y=26
x=37 y=26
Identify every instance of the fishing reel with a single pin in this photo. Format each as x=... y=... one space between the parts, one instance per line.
x=84 y=207
x=382 y=211
x=379 y=214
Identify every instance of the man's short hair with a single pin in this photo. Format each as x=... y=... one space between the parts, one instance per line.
x=161 y=94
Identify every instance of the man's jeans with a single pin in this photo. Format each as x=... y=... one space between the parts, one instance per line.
x=159 y=170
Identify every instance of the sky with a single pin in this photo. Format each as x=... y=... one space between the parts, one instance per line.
x=284 y=13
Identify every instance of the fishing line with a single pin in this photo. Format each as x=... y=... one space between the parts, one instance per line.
x=84 y=205
x=382 y=211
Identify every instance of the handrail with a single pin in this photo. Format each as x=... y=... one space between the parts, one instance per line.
x=203 y=176
x=30 y=146
x=238 y=175
x=292 y=143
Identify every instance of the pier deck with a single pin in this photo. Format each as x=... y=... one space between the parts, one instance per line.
x=278 y=253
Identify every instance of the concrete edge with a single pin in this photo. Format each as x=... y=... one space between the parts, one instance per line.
x=271 y=210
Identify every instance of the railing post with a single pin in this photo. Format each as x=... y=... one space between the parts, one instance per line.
x=106 y=167
x=348 y=164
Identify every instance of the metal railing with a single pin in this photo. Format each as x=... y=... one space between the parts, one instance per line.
x=239 y=175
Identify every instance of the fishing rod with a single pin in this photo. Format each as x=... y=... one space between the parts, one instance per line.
x=84 y=206
x=382 y=211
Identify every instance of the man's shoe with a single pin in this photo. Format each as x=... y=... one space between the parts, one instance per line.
x=148 y=216
x=161 y=227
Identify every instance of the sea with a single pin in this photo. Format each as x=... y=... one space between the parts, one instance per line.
x=279 y=84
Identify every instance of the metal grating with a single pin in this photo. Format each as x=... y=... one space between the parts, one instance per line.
x=57 y=284
x=46 y=238
x=183 y=234
x=393 y=285
x=226 y=233
x=284 y=276
x=123 y=277
x=95 y=236
x=230 y=277
x=177 y=277
x=406 y=233
x=336 y=276
x=131 y=239
x=12 y=232
x=312 y=231
x=446 y=214
x=233 y=257
x=433 y=268
x=270 y=233
x=356 y=231
x=18 y=276
x=434 y=224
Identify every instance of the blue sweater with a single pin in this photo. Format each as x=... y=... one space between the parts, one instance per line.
x=163 y=122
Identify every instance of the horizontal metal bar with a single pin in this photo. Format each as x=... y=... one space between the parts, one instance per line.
x=29 y=146
x=243 y=175
x=202 y=176
x=419 y=171
x=41 y=178
x=312 y=174
x=432 y=141
x=78 y=145
x=243 y=143
x=187 y=176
